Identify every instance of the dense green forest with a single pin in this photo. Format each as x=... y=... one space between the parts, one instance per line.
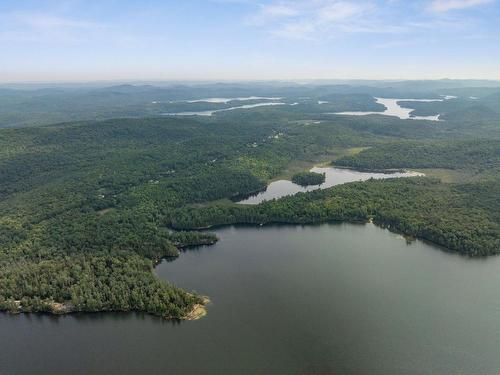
x=88 y=207
x=22 y=105
x=481 y=155
x=308 y=178
x=461 y=218
x=90 y=193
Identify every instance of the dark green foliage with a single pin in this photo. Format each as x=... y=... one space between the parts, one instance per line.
x=461 y=217
x=112 y=282
x=96 y=191
x=86 y=206
x=478 y=155
x=421 y=207
x=308 y=178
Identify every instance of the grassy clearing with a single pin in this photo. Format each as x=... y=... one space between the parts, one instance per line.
x=450 y=176
x=323 y=160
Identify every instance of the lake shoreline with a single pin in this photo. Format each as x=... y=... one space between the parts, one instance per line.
x=375 y=170
x=198 y=310
x=334 y=175
x=394 y=108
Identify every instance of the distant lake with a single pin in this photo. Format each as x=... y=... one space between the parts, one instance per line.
x=333 y=176
x=392 y=108
x=288 y=300
x=211 y=112
x=227 y=100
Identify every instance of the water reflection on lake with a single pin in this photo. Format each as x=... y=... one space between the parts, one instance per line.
x=288 y=300
x=333 y=176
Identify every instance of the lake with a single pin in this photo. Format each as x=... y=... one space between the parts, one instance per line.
x=333 y=176
x=326 y=299
x=211 y=112
x=393 y=108
x=227 y=100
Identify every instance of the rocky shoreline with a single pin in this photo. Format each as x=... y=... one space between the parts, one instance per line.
x=55 y=308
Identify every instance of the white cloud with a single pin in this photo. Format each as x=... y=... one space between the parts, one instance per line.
x=326 y=19
x=279 y=10
x=447 y=5
x=295 y=30
x=314 y=19
x=341 y=10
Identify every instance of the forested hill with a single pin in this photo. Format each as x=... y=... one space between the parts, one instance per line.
x=461 y=218
x=482 y=155
x=33 y=105
x=87 y=208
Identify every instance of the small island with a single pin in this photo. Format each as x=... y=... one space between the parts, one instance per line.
x=308 y=178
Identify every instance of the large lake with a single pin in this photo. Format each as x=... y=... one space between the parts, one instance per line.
x=327 y=299
x=333 y=176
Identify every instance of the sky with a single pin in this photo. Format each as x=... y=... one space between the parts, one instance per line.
x=72 y=40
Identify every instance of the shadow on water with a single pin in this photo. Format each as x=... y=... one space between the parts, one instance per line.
x=90 y=317
x=288 y=299
x=409 y=240
x=241 y=197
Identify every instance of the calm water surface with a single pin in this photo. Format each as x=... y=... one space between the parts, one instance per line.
x=333 y=176
x=328 y=299
x=211 y=112
x=227 y=100
x=393 y=108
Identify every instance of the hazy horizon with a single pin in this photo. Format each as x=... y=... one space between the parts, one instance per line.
x=194 y=82
x=298 y=81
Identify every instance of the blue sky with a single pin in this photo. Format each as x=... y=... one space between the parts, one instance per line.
x=71 y=40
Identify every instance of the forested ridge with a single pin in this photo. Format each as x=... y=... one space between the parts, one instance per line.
x=461 y=217
x=478 y=154
x=456 y=217
x=87 y=208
